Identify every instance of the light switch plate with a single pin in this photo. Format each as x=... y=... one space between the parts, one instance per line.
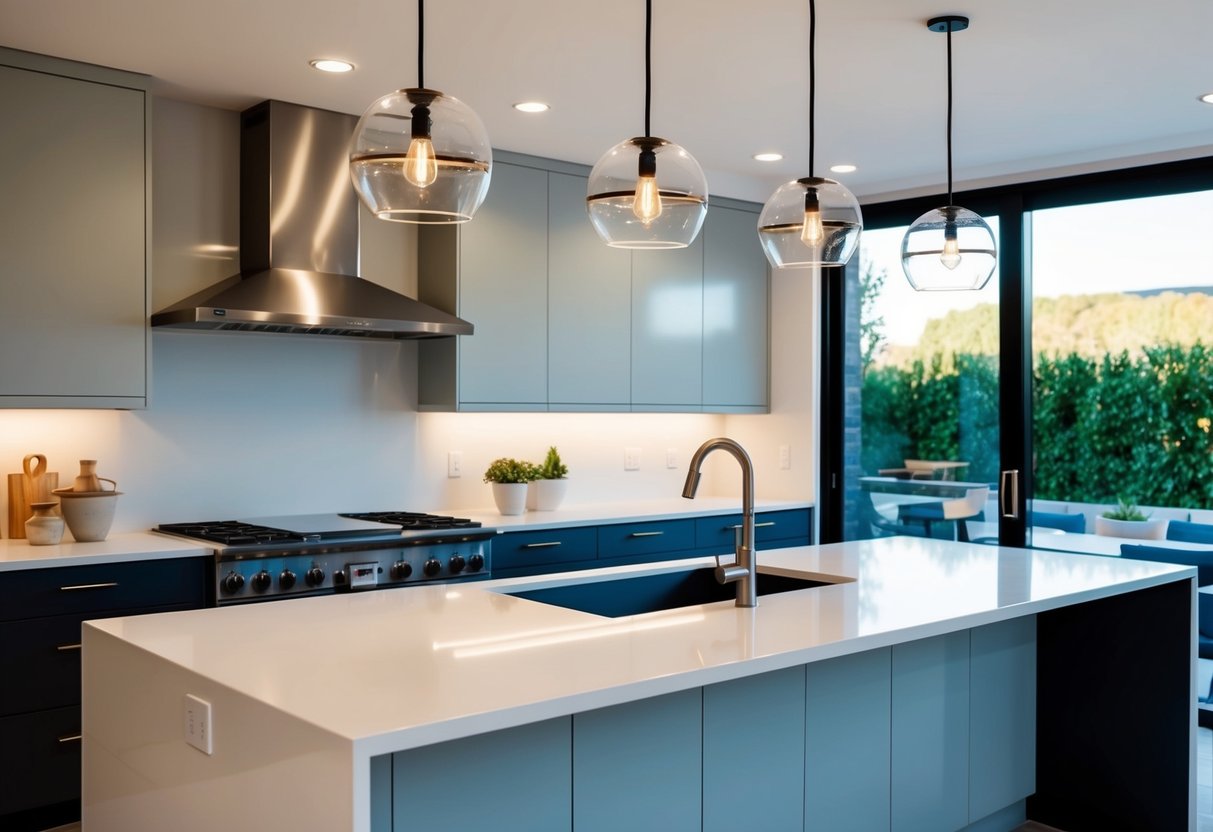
x=198 y=725
x=785 y=457
x=454 y=465
x=671 y=457
x=631 y=459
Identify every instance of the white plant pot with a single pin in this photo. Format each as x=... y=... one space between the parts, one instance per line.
x=546 y=495
x=510 y=497
x=1132 y=529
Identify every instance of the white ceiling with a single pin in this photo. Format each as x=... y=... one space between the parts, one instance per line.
x=1040 y=84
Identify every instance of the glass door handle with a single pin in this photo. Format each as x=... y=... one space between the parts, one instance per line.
x=1009 y=483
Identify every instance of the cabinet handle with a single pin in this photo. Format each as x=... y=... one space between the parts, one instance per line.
x=105 y=585
x=71 y=738
x=645 y=534
x=737 y=526
x=540 y=545
x=65 y=647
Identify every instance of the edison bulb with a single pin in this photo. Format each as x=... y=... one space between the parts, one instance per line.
x=950 y=256
x=812 y=232
x=647 y=203
x=420 y=164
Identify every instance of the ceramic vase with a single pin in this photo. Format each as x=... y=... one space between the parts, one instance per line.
x=45 y=528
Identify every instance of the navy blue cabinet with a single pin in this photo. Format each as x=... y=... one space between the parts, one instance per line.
x=40 y=615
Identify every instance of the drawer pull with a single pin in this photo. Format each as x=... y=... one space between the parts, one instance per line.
x=105 y=585
x=65 y=647
x=645 y=534
x=71 y=738
x=541 y=545
x=737 y=526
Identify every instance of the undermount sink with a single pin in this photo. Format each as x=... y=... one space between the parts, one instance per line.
x=650 y=593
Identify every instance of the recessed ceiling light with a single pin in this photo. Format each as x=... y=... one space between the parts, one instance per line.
x=331 y=65
x=843 y=169
x=1207 y=98
x=768 y=157
x=531 y=107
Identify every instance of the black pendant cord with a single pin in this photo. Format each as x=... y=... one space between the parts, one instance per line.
x=648 y=64
x=949 y=113
x=421 y=44
x=812 y=78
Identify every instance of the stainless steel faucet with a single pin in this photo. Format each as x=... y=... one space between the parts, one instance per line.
x=745 y=570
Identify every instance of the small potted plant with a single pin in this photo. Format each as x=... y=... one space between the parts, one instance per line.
x=548 y=489
x=509 y=478
x=1127 y=520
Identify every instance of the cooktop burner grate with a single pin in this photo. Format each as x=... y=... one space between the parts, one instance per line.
x=231 y=532
x=413 y=520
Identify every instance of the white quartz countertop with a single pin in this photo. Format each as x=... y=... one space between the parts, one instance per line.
x=396 y=669
x=19 y=554
x=632 y=511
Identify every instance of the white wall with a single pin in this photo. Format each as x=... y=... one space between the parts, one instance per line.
x=247 y=425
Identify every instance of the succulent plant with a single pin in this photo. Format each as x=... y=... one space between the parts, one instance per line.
x=1125 y=511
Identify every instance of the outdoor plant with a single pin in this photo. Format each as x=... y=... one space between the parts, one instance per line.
x=552 y=467
x=505 y=470
x=1125 y=511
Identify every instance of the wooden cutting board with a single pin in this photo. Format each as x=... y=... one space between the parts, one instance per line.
x=33 y=485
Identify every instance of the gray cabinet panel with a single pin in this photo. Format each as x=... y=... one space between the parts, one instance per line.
x=753 y=753
x=639 y=765
x=589 y=304
x=735 y=311
x=667 y=327
x=503 y=291
x=516 y=780
x=930 y=731
x=72 y=231
x=847 y=743
x=1002 y=733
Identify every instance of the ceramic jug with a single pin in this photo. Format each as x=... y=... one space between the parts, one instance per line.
x=45 y=528
x=88 y=479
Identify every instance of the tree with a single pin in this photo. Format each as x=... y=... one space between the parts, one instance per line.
x=871 y=325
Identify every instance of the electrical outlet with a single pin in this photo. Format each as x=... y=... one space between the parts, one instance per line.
x=198 y=725
x=785 y=457
x=631 y=459
x=671 y=457
x=454 y=465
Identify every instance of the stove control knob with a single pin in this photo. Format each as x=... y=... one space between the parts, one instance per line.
x=314 y=576
x=475 y=563
x=456 y=564
x=233 y=582
x=400 y=570
x=261 y=581
x=287 y=579
x=432 y=568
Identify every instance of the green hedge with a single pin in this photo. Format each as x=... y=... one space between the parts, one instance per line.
x=1136 y=427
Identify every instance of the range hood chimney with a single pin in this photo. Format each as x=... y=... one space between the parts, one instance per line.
x=299 y=242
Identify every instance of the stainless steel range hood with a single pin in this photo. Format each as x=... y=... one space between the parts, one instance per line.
x=299 y=242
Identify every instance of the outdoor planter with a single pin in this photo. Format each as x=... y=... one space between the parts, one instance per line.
x=1134 y=529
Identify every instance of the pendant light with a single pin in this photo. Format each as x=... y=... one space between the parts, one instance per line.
x=647 y=192
x=811 y=221
x=949 y=248
x=420 y=156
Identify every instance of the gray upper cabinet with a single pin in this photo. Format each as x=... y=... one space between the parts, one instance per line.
x=74 y=253
x=566 y=323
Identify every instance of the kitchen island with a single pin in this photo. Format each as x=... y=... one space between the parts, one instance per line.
x=901 y=691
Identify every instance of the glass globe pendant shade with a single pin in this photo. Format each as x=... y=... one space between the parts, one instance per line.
x=810 y=222
x=422 y=157
x=647 y=193
x=948 y=249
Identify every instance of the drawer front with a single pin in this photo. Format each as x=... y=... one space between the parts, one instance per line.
x=630 y=540
x=518 y=549
x=717 y=533
x=33 y=593
x=39 y=759
x=43 y=660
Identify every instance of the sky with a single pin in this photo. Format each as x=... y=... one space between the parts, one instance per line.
x=1076 y=250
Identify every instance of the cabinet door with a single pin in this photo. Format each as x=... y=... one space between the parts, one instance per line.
x=638 y=766
x=72 y=242
x=516 y=780
x=930 y=728
x=503 y=292
x=753 y=745
x=589 y=306
x=847 y=743
x=667 y=328
x=735 y=312
x=1002 y=738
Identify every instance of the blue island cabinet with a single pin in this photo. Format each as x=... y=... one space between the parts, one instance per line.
x=936 y=734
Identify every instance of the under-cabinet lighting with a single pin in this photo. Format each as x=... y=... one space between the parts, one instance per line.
x=331 y=65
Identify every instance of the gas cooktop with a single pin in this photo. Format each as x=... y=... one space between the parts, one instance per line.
x=307 y=528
